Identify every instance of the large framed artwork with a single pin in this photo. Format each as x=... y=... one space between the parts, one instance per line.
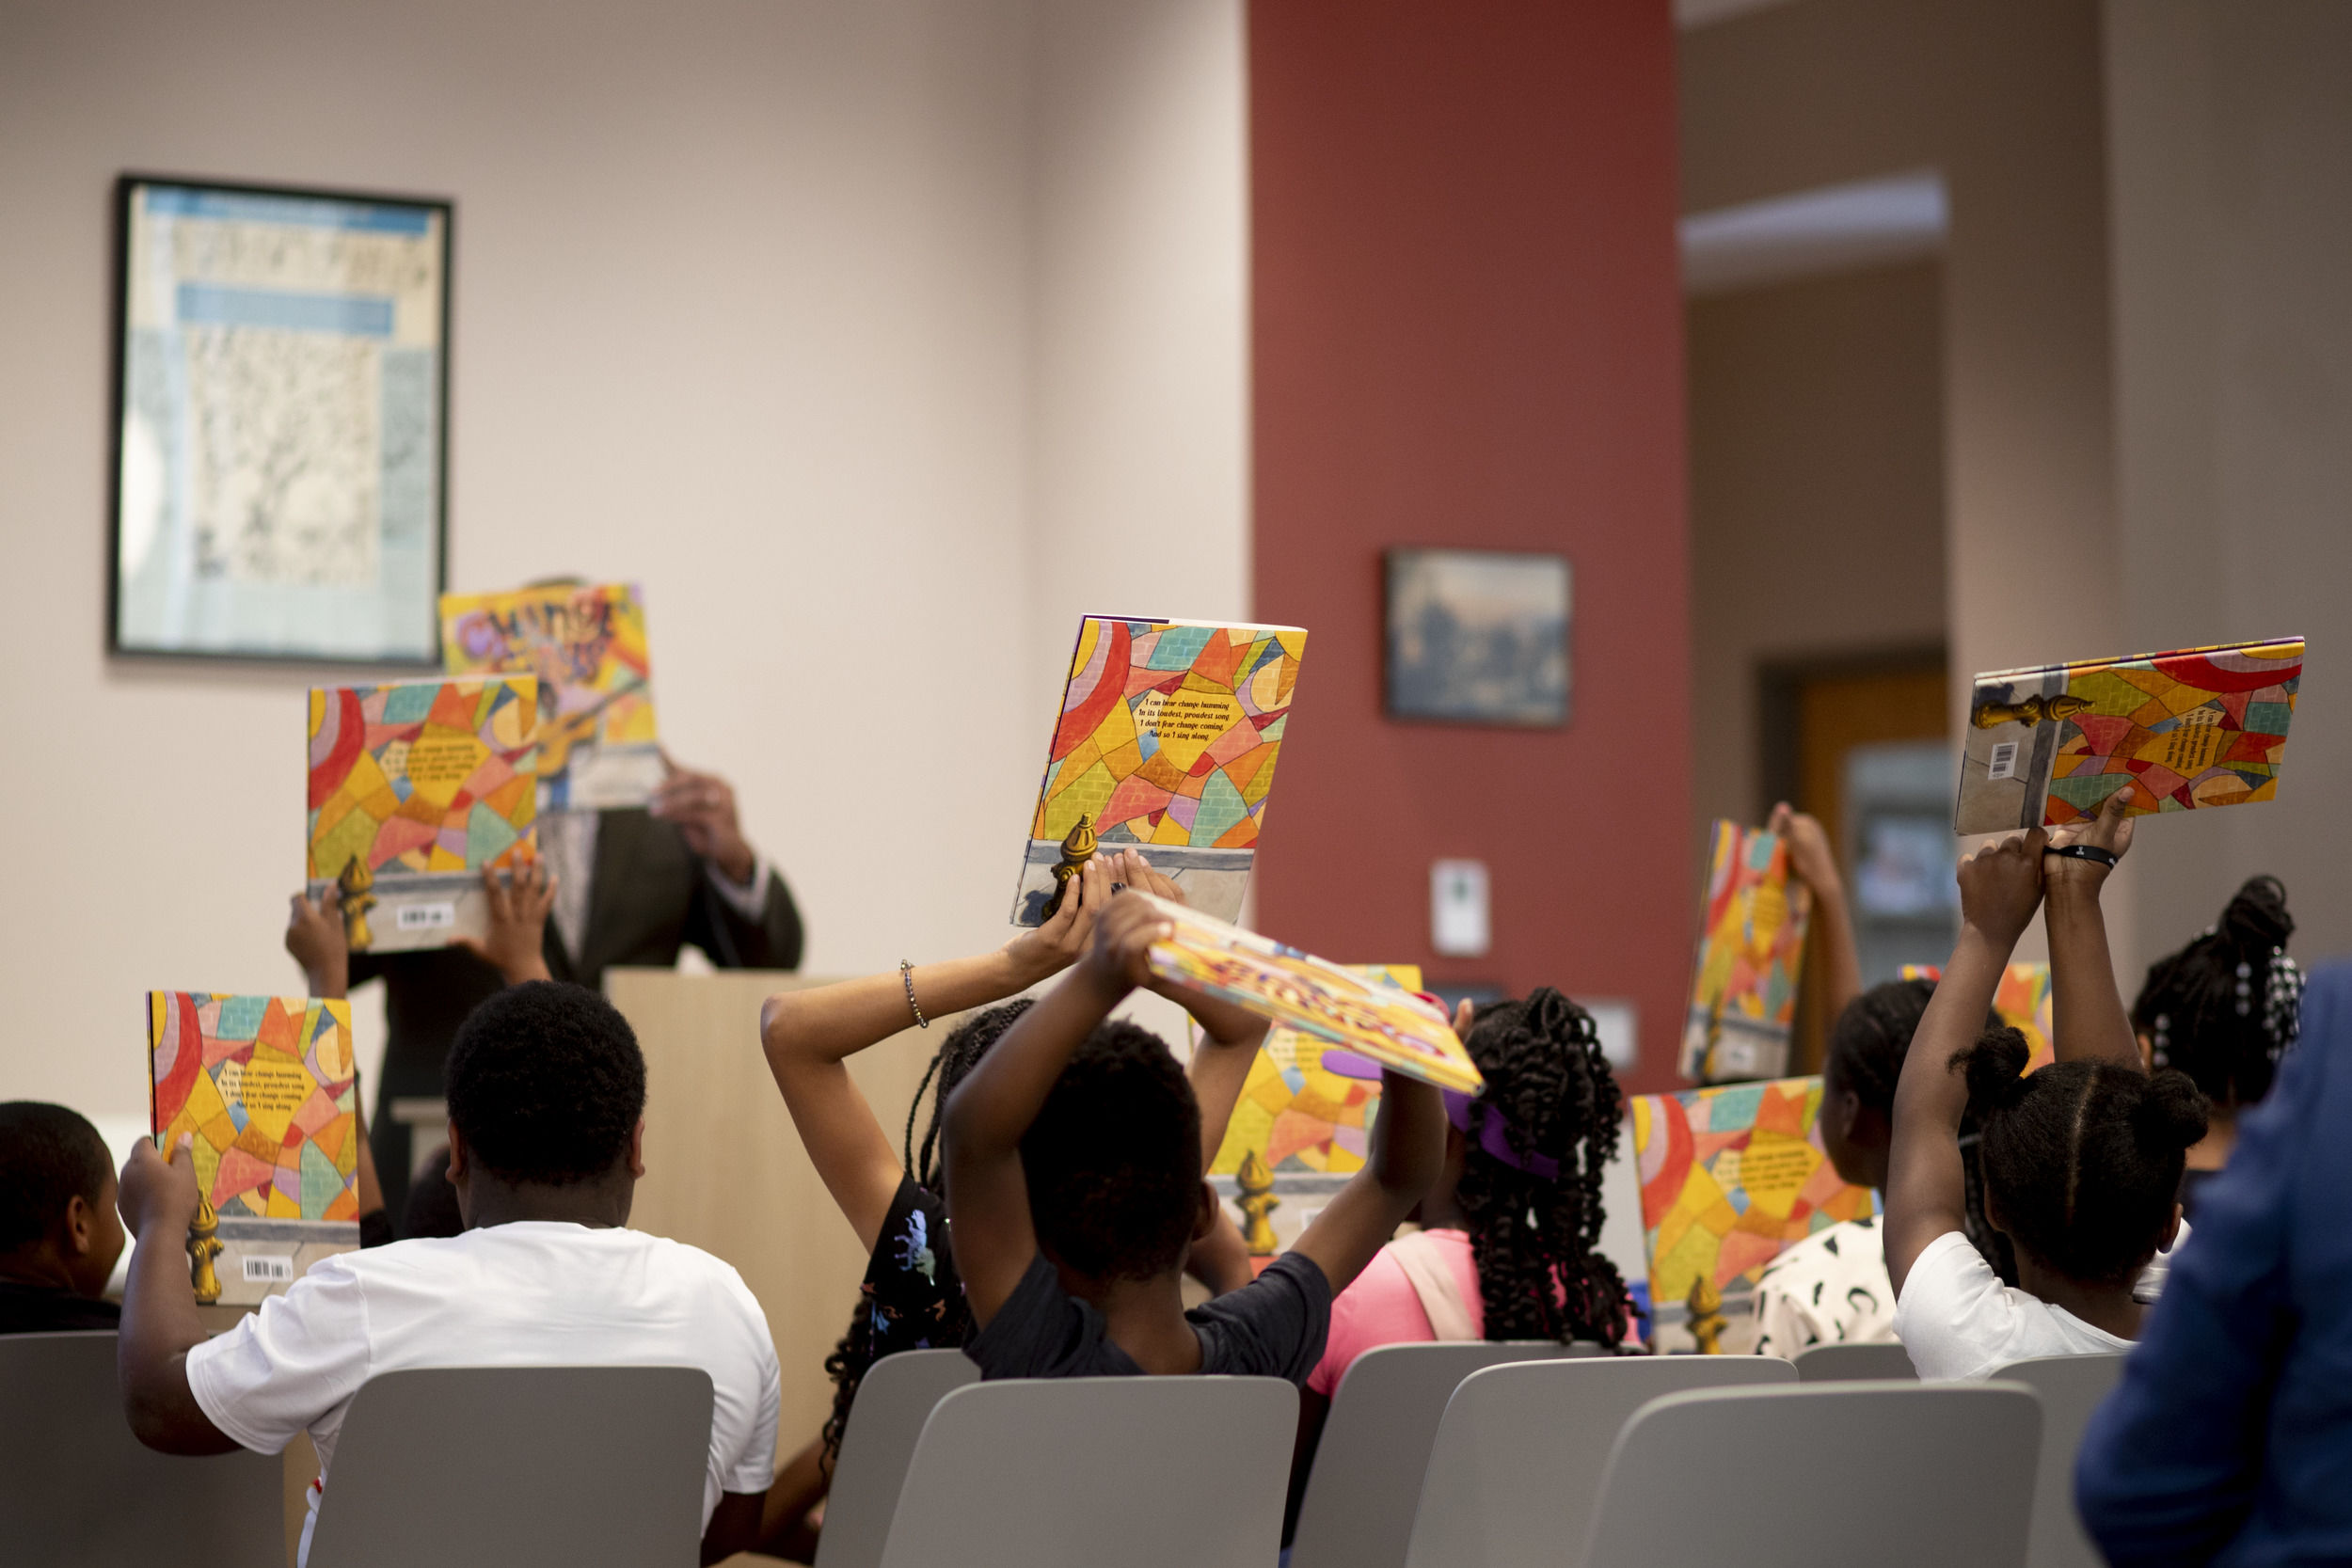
x=1478 y=637
x=281 y=414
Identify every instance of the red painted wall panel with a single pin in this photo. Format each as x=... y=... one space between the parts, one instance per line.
x=1469 y=332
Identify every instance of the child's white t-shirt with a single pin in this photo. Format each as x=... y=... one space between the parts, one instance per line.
x=531 y=1293
x=1962 y=1324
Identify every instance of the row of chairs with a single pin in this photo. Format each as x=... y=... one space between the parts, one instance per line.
x=1454 y=1454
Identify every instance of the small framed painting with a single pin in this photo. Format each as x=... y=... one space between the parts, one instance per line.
x=1478 y=637
x=281 y=423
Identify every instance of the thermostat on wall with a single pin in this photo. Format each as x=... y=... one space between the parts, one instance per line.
x=1457 y=909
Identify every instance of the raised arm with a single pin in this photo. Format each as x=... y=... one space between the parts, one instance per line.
x=2088 y=1019
x=514 y=942
x=988 y=1193
x=314 y=937
x=1832 y=926
x=160 y=1322
x=1926 y=1194
x=809 y=1035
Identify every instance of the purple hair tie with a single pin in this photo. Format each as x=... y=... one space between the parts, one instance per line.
x=1493 y=1140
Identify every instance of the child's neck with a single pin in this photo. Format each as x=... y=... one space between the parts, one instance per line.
x=1145 y=1318
x=2107 y=1306
x=37 y=1265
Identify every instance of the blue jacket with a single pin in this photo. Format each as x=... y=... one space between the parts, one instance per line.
x=2229 y=1439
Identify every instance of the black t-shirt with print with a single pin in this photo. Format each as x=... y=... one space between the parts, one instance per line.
x=911 y=1286
x=1273 y=1326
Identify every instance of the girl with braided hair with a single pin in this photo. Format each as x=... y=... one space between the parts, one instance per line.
x=1508 y=1244
x=893 y=1192
x=2224 y=1009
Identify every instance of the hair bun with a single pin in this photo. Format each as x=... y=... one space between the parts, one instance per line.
x=1995 y=1065
x=2171 y=1116
x=1549 y=1015
x=2257 y=918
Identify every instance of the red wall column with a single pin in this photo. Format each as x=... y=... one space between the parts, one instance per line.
x=1469 y=332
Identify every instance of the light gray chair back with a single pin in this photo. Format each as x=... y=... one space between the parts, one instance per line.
x=1840 y=1475
x=1874 y=1363
x=76 y=1486
x=1358 y=1510
x=519 y=1468
x=1146 y=1472
x=1516 y=1471
x=894 y=1399
x=2071 y=1387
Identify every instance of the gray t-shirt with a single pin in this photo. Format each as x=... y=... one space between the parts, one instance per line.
x=1273 y=1326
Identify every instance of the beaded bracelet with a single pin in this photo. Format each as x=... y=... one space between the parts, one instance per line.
x=906 y=976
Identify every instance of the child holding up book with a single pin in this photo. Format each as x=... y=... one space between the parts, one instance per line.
x=892 y=1191
x=2082 y=1159
x=1074 y=1165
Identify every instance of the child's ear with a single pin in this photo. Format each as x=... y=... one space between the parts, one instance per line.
x=1204 y=1220
x=2172 y=1230
x=81 y=1227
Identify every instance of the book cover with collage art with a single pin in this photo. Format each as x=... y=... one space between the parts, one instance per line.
x=1751 y=952
x=2195 y=727
x=265 y=1090
x=415 y=789
x=1167 y=741
x=1298 y=1114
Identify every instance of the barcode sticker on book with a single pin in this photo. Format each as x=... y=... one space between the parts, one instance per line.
x=2003 y=766
x=270 y=1271
x=432 y=917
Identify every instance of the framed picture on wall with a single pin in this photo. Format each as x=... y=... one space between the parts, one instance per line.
x=1478 y=637
x=281 y=423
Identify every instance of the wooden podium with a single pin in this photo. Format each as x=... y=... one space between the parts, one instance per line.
x=724 y=1169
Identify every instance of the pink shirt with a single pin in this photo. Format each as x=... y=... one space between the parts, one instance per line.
x=1382 y=1308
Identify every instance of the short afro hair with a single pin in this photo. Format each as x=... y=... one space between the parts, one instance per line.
x=1113 y=1158
x=545 y=1084
x=49 y=1156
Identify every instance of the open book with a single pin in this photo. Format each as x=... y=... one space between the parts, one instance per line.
x=267 y=1089
x=1167 y=739
x=1744 y=983
x=1393 y=1027
x=598 y=749
x=2193 y=727
x=415 y=789
x=1731 y=1175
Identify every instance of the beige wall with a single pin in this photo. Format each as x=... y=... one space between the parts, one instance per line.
x=800 y=314
x=2229 y=128
x=2003 y=97
x=1816 y=495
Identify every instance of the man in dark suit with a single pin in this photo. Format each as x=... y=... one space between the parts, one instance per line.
x=631 y=887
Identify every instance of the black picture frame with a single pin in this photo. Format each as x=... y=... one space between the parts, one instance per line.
x=223 y=638
x=1478 y=637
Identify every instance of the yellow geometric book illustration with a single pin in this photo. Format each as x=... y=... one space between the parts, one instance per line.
x=1167 y=737
x=1393 y=1027
x=265 y=1090
x=1297 y=1115
x=1751 y=951
x=1731 y=1175
x=2192 y=728
x=599 y=747
x=2022 y=1001
x=415 y=789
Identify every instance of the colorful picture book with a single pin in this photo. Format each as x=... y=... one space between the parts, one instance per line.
x=1391 y=1026
x=266 y=1088
x=1295 y=1113
x=1751 y=951
x=2195 y=727
x=1167 y=740
x=1731 y=1175
x=599 y=747
x=415 y=789
x=2021 y=1000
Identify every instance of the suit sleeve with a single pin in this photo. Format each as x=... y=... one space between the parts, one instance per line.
x=732 y=939
x=2169 y=1466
